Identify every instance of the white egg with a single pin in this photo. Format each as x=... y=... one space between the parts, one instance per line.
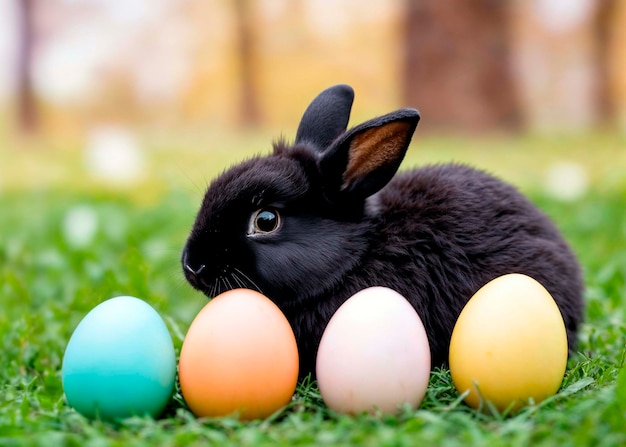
x=374 y=355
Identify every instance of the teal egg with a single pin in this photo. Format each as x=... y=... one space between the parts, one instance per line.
x=119 y=362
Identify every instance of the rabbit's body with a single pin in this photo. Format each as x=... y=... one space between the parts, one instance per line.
x=458 y=244
x=314 y=223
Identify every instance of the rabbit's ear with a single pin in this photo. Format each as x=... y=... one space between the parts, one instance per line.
x=326 y=117
x=365 y=158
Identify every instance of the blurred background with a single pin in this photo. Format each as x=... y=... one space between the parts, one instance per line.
x=96 y=89
x=115 y=114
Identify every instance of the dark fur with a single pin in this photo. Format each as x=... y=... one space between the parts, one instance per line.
x=434 y=234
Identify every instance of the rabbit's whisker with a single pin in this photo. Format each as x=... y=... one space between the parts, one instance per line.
x=248 y=280
x=217 y=287
x=214 y=287
x=227 y=283
x=238 y=280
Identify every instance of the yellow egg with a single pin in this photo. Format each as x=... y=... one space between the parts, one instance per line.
x=509 y=344
x=239 y=356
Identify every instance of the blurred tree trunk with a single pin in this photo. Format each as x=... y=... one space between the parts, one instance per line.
x=457 y=64
x=27 y=113
x=603 y=30
x=244 y=22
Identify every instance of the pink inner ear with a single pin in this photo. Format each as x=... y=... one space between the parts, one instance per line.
x=376 y=148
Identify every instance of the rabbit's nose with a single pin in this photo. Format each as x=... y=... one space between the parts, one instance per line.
x=194 y=269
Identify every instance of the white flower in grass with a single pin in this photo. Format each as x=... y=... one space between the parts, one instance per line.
x=566 y=181
x=80 y=226
x=113 y=155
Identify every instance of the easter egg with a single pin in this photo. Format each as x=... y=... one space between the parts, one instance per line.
x=509 y=344
x=374 y=355
x=239 y=357
x=119 y=362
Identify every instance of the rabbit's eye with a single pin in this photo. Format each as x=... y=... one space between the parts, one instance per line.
x=264 y=221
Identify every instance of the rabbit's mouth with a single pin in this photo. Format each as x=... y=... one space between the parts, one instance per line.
x=212 y=280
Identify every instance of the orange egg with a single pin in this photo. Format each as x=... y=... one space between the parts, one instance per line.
x=239 y=356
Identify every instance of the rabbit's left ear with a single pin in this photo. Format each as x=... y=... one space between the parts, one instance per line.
x=326 y=117
x=366 y=157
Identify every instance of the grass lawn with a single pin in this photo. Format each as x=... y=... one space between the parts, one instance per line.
x=128 y=241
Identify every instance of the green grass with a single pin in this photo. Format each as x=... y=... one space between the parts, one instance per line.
x=47 y=284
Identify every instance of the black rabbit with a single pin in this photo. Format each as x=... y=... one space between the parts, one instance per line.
x=315 y=222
